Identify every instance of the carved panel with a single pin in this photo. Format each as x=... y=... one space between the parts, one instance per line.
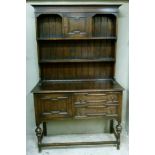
x=77 y=25
x=55 y=106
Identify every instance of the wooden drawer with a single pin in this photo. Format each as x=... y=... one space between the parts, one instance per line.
x=95 y=104
x=54 y=106
x=92 y=111
x=106 y=97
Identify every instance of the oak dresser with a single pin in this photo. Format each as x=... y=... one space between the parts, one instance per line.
x=76 y=59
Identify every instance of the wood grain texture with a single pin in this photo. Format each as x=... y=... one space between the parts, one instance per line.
x=76 y=71
x=76 y=49
x=54 y=106
x=49 y=26
x=104 y=25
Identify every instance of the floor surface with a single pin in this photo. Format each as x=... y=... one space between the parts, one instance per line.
x=78 y=150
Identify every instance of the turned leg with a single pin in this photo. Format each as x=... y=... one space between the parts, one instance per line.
x=112 y=126
x=44 y=129
x=118 y=131
x=39 y=136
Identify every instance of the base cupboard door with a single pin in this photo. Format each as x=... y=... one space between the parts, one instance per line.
x=54 y=106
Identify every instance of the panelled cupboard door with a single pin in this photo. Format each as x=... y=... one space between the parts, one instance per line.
x=53 y=106
x=77 y=25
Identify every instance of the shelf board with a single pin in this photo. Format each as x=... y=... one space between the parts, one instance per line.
x=82 y=38
x=78 y=60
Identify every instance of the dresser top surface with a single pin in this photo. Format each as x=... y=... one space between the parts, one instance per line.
x=77 y=86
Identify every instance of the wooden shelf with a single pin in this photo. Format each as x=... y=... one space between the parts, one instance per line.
x=77 y=60
x=82 y=38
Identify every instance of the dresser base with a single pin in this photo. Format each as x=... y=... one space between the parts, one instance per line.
x=77 y=100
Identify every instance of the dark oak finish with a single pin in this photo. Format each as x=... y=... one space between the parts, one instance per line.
x=76 y=71
x=76 y=57
x=74 y=85
x=76 y=49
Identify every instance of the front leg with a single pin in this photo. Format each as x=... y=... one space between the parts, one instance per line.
x=118 y=131
x=39 y=136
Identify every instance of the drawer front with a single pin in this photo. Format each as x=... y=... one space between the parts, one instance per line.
x=106 y=97
x=107 y=111
x=95 y=104
x=55 y=106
